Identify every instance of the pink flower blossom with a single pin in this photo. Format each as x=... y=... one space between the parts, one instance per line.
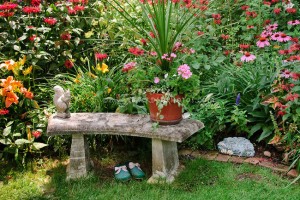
x=192 y=51
x=283 y=38
x=275 y=36
x=272 y=27
x=285 y=74
x=129 y=66
x=36 y=134
x=262 y=42
x=247 y=57
x=173 y=55
x=294 y=22
x=156 y=80
x=153 y=53
x=184 y=71
x=266 y=34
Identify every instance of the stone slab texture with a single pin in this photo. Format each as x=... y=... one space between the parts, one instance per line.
x=237 y=146
x=121 y=124
x=165 y=160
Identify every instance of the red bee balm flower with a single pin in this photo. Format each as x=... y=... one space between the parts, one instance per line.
x=69 y=64
x=136 y=51
x=101 y=56
x=36 y=134
x=292 y=97
x=51 y=21
x=4 y=111
x=65 y=36
x=31 y=9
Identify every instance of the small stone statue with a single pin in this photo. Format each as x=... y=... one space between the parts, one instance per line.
x=62 y=102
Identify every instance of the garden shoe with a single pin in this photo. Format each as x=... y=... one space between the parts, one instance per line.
x=121 y=173
x=136 y=171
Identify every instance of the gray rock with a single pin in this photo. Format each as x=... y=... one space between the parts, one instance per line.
x=237 y=146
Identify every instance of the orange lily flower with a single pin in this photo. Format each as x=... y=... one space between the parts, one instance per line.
x=11 y=98
x=28 y=94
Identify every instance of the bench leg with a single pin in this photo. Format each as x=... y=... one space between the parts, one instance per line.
x=79 y=157
x=165 y=161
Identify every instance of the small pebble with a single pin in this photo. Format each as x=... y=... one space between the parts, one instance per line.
x=267 y=154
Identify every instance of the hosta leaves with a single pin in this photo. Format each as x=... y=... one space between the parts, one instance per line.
x=5 y=141
x=7 y=131
x=21 y=141
x=39 y=145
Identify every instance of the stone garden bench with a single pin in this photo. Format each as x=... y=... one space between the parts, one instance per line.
x=164 y=138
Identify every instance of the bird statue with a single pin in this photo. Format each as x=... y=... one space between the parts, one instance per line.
x=62 y=102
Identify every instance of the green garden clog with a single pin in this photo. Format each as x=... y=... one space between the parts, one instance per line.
x=121 y=173
x=136 y=171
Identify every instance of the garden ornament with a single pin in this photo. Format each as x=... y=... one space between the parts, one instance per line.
x=237 y=146
x=61 y=101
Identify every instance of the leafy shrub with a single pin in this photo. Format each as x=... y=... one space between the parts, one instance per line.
x=21 y=124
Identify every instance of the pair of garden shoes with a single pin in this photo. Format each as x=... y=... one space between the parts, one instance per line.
x=125 y=172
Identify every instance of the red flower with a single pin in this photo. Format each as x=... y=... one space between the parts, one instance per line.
x=295 y=76
x=136 y=51
x=69 y=64
x=51 y=21
x=8 y=6
x=267 y=3
x=65 y=36
x=78 y=8
x=200 y=33
x=35 y=2
x=277 y=11
x=226 y=52
x=6 y=14
x=284 y=52
x=245 y=7
x=252 y=14
x=4 y=111
x=267 y=21
x=31 y=9
x=216 y=16
x=295 y=40
x=144 y=41
x=291 y=10
x=217 y=21
x=152 y=34
x=281 y=113
x=225 y=37
x=244 y=46
x=292 y=97
x=71 y=11
x=101 y=56
x=32 y=38
x=36 y=134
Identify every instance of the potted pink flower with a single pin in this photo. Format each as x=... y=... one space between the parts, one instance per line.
x=158 y=65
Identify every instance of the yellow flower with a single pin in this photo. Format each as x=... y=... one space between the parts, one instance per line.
x=276 y=46
x=103 y=68
x=27 y=71
x=108 y=90
x=88 y=34
x=77 y=79
x=92 y=75
x=22 y=61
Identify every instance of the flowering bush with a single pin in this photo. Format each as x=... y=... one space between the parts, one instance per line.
x=19 y=128
x=284 y=101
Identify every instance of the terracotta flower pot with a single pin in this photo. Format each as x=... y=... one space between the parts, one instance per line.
x=169 y=115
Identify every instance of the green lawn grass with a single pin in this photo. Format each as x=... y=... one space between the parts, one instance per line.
x=201 y=179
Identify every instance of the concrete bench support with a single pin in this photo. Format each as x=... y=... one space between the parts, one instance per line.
x=79 y=157
x=165 y=160
x=164 y=139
